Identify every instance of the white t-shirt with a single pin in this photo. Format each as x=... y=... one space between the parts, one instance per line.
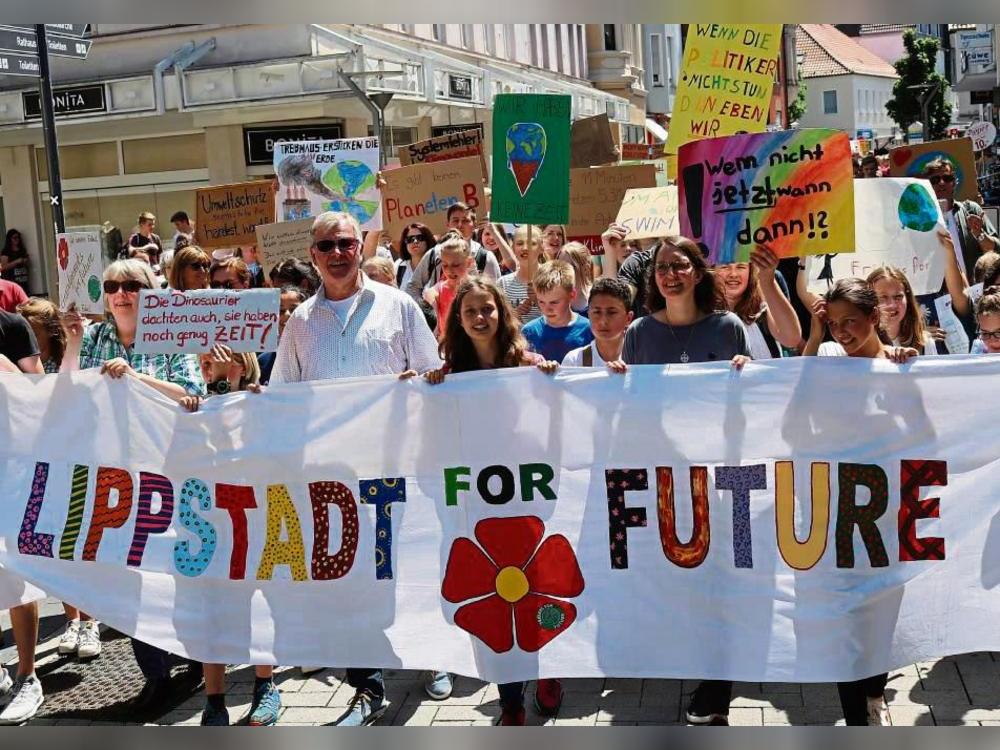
x=833 y=349
x=342 y=306
x=407 y=274
x=956 y=237
x=758 y=344
x=574 y=358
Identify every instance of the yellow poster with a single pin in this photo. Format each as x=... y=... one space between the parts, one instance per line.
x=726 y=84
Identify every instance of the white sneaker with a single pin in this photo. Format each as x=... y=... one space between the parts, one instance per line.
x=90 y=640
x=27 y=700
x=6 y=686
x=70 y=640
x=878 y=713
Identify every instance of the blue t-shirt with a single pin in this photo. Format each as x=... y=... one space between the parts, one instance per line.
x=556 y=343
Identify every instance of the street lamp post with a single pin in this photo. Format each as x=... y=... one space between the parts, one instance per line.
x=376 y=104
x=928 y=91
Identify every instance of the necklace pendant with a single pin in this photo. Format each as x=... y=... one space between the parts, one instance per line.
x=684 y=358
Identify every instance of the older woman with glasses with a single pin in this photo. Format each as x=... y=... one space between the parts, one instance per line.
x=189 y=269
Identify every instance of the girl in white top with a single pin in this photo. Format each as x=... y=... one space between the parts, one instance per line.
x=752 y=292
x=517 y=286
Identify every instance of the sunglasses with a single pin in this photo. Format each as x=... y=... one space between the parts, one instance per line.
x=413 y=239
x=935 y=179
x=131 y=286
x=343 y=244
x=227 y=284
x=203 y=267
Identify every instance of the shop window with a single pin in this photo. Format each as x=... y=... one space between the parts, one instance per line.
x=166 y=154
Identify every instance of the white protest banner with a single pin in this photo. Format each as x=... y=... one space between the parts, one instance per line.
x=81 y=266
x=649 y=212
x=330 y=175
x=284 y=240
x=896 y=224
x=724 y=526
x=195 y=321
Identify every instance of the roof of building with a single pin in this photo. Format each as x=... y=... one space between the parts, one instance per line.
x=884 y=28
x=826 y=51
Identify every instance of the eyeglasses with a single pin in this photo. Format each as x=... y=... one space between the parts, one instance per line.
x=936 y=178
x=413 y=239
x=343 y=244
x=990 y=335
x=130 y=286
x=678 y=267
x=227 y=284
x=203 y=267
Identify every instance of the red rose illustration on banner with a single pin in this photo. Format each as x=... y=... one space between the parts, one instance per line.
x=63 y=253
x=513 y=579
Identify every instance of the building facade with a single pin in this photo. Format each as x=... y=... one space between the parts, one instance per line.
x=156 y=112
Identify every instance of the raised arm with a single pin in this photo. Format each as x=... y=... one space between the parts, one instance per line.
x=782 y=321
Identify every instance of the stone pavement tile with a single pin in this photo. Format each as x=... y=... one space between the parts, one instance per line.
x=635 y=713
x=907 y=680
x=583 y=720
x=964 y=714
x=661 y=692
x=310 y=715
x=910 y=716
x=600 y=697
x=421 y=716
x=941 y=675
x=921 y=697
x=746 y=717
x=454 y=723
x=324 y=681
x=306 y=700
x=616 y=723
x=175 y=718
x=467 y=713
x=801 y=716
x=779 y=700
x=820 y=694
x=623 y=684
x=984 y=723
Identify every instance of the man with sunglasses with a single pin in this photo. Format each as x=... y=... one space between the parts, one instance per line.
x=970 y=229
x=352 y=327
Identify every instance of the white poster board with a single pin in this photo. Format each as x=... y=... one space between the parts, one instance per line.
x=896 y=220
x=80 y=265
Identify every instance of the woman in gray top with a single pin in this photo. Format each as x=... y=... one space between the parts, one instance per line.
x=688 y=320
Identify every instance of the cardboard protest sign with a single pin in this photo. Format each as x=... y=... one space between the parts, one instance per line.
x=909 y=161
x=195 y=321
x=896 y=224
x=330 y=175
x=227 y=215
x=460 y=145
x=284 y=240
x=591 y=144
x=660 y=166
x=595 y=196
x=649 y=212
x=423 y=192
x=81 y=266
x=792 y=190
x=530 y=159
x=727 y=81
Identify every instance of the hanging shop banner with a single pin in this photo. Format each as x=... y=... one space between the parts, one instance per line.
x=195 y=321
x=896 y=223
x=349 y=523
x=727 y=80
x=531 y=159
x=337 y=175
x=792 y=191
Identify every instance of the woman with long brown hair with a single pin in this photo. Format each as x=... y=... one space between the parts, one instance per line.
x=189 y=269
x=901 y=317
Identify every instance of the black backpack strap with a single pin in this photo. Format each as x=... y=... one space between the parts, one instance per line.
x=588 y=356
x=481 y=259
x=400 y=273
x=772 y=344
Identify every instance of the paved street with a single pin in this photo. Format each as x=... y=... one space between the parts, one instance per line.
x=953 y=691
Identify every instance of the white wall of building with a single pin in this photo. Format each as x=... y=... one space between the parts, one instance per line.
x=860 y=104
x=662 y=55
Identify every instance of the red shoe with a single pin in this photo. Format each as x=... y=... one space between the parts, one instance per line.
x=548 y=697
x=512 y=717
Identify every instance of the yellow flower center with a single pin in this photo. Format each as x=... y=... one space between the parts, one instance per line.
x=512 y=585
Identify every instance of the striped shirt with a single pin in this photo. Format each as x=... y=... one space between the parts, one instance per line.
x=100 y=344
x=383 y=333
x=516 y=292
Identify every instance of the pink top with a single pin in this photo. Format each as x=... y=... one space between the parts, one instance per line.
x=442 y=304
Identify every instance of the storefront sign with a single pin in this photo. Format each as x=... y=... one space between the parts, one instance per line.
x=258 y=143
x=460 y=87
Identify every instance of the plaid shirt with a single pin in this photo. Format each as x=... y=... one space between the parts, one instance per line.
x=100 y=343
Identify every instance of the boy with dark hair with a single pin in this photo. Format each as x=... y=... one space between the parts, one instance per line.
x=610 y=313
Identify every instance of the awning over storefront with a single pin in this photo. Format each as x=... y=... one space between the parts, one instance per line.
x=977 y=82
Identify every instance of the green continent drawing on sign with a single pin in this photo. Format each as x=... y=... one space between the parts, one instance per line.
x=348 y=179
x=526 y=147
x=94 y=288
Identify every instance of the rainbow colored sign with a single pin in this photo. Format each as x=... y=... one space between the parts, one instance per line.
x=792 y=191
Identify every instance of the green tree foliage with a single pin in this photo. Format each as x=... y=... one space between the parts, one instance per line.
x=917 y=68
x=797 y=109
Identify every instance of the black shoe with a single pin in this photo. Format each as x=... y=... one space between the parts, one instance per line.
x=152 y=697
x=704 y=709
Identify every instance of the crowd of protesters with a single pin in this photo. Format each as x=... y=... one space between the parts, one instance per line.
x=477 y=297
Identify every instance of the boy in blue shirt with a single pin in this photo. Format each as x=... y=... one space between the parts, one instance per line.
x=559 y=330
